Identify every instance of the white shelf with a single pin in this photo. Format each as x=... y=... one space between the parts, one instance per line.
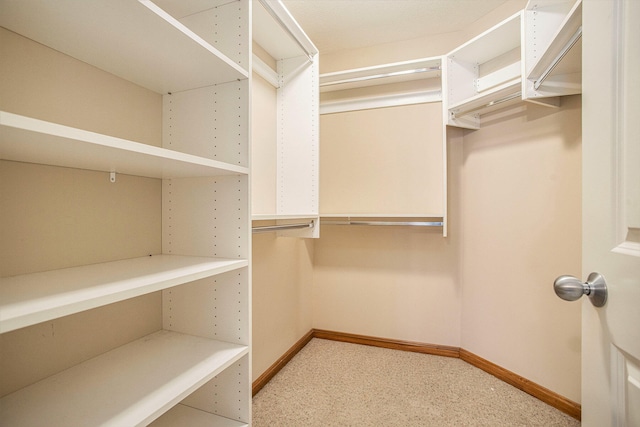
x=134 y=40
x=483 y=102
x=182 y=415
x=494 y=42
x=417 y=220
x=483 y=73
x=275 y=217
x=129 y=386
x=379 y=215
x=32 y=298
x=277 y=32
x=553 y=30
x=381 y=74
x=31 y=140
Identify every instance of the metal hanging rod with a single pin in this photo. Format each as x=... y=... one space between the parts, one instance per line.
x=269 y=228
x=388 y=223
x=382 y=75
x=572 y=41
x=515 y=95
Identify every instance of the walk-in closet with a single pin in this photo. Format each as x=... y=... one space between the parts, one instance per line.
x=193 y=191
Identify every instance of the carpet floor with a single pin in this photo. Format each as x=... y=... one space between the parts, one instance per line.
x=331 y=383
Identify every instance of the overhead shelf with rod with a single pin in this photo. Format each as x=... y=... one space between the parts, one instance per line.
x=482 y=73
x=387 y=85
x=552 y=52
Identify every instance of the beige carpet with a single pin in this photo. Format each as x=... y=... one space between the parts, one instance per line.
x=338 y=384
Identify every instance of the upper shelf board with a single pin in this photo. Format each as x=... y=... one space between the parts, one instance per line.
x=494 y=42
x=33 y=298
x=277 y=32
x=30 y=140
x=561 y=35
x=133 y=39
x=381 y=74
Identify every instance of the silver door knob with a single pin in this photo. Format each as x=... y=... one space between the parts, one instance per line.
x=570 y=288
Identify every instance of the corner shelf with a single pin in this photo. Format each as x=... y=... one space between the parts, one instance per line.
x=30 y=140
x=131 y=385
x=482 y=73
x=552 y=49
x=33 y=298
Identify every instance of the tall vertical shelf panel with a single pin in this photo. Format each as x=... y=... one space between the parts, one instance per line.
x=197 y=54
x=292 y=166
x=389 y=98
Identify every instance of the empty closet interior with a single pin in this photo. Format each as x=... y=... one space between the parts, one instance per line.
x=187 y=189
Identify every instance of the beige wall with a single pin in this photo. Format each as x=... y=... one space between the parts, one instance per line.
x=521 y=229
x=361 y=147
x=393 y=282
x=282 y=286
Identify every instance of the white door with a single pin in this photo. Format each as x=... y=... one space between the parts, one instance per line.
x=611 y=211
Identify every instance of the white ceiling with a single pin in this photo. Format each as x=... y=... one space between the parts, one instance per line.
x=347 y=24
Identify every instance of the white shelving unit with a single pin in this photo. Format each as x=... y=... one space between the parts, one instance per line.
x=196 y=54
x=534 y=56
x=295 y=78
x=552 y=50
x=483 y=73
x=398 y=84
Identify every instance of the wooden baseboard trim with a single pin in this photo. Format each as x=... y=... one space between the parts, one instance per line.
x=263 y=379
x=438 y=350
x=545 y=395
x=541 y=393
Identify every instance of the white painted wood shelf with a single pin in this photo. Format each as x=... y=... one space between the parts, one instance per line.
x=497 y=97
x=418 y=69
x=33 y=298
x=277 y=32
x=182 y=415
x=400 y=83
x=135 y=40
x=553 y=48
x=416 y=220
x=480 y=72
x=30 y=140
x=276 y=217
x=131 y=385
